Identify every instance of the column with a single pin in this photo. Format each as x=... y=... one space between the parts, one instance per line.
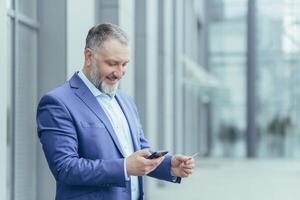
x=3 y=101
x=251 y=79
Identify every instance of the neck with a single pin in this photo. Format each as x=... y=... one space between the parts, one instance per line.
x=86 y=73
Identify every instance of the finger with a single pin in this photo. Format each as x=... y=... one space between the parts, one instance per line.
x=188 y=171
x=153 y=162
x=150 y=168
x=159 y=160
x=184 y=174
x=143 y=152
x=189 y=161
x=187 y=167
x=192 y=165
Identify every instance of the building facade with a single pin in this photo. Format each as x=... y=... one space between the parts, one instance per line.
x=43 y=43
x=191 y=74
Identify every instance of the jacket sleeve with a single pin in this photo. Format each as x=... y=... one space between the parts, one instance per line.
x=57 y=133
x=163 y=171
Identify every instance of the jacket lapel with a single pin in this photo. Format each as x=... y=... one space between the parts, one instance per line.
x=130 y=119
x=83 y=93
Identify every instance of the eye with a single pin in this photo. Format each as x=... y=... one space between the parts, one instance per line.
x=125 y=64
x=112 y=64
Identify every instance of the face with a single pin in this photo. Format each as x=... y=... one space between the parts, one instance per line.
x=107 y=67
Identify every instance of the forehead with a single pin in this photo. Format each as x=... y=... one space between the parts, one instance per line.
x=112 y=48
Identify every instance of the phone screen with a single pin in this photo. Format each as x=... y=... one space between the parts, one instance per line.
x=157 y=154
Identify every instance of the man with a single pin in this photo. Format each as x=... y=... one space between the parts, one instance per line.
x=90 y=131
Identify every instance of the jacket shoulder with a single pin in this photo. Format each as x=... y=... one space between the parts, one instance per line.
x=61 y=92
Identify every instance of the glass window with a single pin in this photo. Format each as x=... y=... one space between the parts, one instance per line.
x=9 y=4
x=25 y=105
x=28 y=8
x=278 y=78
x=227 y=50
x=9 y=104
x=21 y=106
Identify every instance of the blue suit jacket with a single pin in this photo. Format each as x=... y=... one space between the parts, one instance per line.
x=81 y=147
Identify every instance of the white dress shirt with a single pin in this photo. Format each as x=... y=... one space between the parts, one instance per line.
x=120 y=125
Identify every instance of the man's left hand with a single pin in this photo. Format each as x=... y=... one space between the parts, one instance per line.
x=182 y=166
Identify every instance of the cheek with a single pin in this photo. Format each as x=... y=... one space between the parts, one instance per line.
x=103 y=73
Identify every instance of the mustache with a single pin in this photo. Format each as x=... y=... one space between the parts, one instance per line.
x=113 y=76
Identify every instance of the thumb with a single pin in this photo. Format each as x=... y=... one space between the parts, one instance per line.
x=143 y=152
x=181 y=158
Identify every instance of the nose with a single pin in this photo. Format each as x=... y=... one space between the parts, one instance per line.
x=120 y=71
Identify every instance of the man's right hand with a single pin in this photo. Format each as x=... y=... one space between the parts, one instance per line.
x=138 y=165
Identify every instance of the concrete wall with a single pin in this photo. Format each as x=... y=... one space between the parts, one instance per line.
x=3 y=101
x=77 y=28
x=126 y=21
x=52 y=71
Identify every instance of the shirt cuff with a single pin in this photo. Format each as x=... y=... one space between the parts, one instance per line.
x=127 y=178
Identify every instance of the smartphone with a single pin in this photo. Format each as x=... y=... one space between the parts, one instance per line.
x=157 y=154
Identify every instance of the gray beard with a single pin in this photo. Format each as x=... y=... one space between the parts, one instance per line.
x=100 y=84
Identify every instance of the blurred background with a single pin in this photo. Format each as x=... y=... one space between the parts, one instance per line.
x=218 y=77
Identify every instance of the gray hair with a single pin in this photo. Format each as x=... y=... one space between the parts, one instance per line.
x=100 y=33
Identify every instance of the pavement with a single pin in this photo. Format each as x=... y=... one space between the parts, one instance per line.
x=243 y=179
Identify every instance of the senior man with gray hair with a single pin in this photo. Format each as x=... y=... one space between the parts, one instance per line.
x=90 y=131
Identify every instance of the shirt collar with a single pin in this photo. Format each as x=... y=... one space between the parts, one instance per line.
x=95 y=91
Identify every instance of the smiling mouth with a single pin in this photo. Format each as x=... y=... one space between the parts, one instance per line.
x=112 y=79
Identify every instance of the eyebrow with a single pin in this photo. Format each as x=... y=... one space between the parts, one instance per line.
x=113 y=60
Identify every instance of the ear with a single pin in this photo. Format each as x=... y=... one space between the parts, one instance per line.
x=88 y=56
